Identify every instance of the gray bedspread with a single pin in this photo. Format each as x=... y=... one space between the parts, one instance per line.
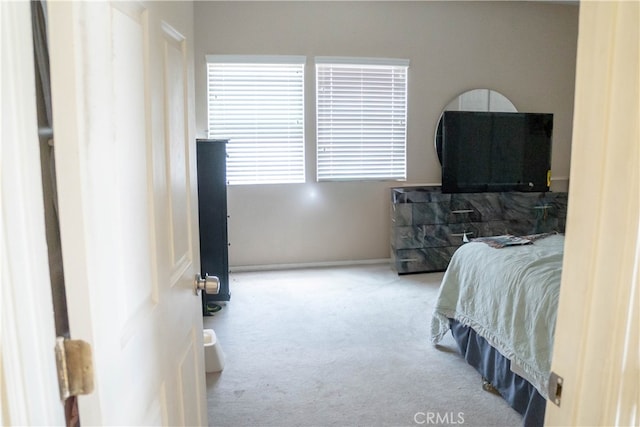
x=509 y=296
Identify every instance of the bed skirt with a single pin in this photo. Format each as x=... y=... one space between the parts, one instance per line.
x=518 y=392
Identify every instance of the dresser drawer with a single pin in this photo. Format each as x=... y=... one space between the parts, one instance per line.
x=475 y=207
x=523 y=205
x=535 y=226
x=487 y=205
x=401 y=214
x=422 y=260
x=407 y=237
x=555 y=205
x=431 y=213
x=443 y=235
x=421 y=194
x=535 y=213
x=435 y=235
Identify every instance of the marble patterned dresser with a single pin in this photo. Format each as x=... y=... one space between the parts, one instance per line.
x=427 y=226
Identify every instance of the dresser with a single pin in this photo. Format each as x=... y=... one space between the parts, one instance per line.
x=427 y=226
x=212 y=215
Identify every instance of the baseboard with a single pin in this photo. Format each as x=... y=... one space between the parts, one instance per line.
x=293 y=266
x=560 y=184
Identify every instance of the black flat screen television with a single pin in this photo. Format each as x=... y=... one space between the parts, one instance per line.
x=488 y=151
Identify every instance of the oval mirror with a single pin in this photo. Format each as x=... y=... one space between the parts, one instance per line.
x=473 y=100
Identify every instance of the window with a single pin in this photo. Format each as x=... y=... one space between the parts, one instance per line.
x=361 y=116
x=257 y=103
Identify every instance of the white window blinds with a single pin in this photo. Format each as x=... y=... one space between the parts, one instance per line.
x=361 y=118
x=257 y=103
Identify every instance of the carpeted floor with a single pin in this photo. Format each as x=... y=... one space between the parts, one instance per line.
x=343 y=346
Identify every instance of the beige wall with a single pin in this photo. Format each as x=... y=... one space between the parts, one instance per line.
x=525 y=50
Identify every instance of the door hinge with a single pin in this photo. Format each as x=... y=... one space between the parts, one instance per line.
x=75 y=367
x=555 y=388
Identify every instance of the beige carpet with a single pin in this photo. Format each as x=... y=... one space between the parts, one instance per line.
x=341 y=346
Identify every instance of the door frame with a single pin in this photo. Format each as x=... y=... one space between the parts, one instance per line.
x=29 y=396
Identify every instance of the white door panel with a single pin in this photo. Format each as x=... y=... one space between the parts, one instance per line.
x=123 y=120
x=176 y=146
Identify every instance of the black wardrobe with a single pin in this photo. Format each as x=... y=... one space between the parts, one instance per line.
x=212 y=210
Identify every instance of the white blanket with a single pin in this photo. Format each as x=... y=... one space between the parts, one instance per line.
x=509 y=296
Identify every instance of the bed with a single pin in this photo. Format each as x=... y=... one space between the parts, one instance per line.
x=499 y=299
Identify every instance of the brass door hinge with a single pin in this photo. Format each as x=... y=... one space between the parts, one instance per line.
x=75 y=367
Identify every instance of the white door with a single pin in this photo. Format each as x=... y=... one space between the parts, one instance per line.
x=122 y=79
x=597 y=337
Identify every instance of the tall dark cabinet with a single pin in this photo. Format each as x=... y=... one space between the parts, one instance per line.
x=212 y=210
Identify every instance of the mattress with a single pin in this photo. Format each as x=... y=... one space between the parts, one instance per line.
x=509 y=297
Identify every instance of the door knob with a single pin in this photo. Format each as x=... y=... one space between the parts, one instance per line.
x=209 y=284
